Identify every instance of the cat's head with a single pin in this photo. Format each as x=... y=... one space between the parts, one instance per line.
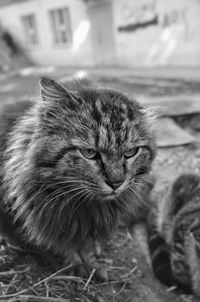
x=94 y=143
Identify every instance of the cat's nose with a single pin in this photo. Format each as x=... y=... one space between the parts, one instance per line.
x=115 y=185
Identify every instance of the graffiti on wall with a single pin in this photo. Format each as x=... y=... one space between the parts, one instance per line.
x=158 y=32
x=137 y=16
x=182 y=18
x=174 y=16
x=175 y=29
x=178 y=17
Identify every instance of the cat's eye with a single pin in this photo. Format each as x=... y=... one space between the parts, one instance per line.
x=131 y=152
x=88 y=153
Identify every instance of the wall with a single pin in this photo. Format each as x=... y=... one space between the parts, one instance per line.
x=157 y=32
x=78 y=53
x=146 y=32
x=102 y=32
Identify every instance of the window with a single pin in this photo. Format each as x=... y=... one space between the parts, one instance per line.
x=61 y=28
x=29 y=25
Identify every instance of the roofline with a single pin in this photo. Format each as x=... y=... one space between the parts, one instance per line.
x=10 y=2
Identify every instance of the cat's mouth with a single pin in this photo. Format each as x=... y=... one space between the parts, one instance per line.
x=107 y=193
x=111 y=195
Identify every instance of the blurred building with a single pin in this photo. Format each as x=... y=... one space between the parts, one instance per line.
x=105 y=32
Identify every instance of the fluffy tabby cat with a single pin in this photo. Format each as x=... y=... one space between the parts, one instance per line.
x=72 y=162
x=174 y=236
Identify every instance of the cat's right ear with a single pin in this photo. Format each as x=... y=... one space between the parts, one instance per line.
x=52 y=91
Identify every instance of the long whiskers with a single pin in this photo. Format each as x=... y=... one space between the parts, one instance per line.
x=68 y=201
x=56 y=194
x=75 y=208
x=54 y=190
x=138 y=194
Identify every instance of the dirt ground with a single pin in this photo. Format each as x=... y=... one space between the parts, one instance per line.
x=22 y=278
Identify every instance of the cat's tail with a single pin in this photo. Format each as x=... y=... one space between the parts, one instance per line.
x=183 y=190
x=159 y=252
x=192 y=250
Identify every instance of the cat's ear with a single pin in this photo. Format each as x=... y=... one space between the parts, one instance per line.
x=52 y=91
x=151 y=115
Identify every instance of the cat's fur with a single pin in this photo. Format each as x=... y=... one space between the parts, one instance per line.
x=54 y=198
x=174 y=235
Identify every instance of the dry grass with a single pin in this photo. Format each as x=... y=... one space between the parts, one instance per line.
x=23 y=279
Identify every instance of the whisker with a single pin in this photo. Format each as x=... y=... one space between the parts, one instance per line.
x=55 y=194
x=139 y=197
x=79 y=204
x=66 y=203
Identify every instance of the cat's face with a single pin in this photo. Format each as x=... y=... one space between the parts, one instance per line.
x=95 y=144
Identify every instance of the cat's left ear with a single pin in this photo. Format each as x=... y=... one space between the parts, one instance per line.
x=52 y=91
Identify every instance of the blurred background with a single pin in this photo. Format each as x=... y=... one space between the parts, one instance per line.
x=125 y=33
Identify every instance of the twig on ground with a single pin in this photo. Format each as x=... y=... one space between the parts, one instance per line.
x=116 y=268
x=129 y=273
x=89 y=279
x=38 y=298
x=10 y=284
x=13 y=272
x=121 y=289
x=69 y=278
x=114 y=281
x=47 y=289
x=36 y=284
x=172 y=288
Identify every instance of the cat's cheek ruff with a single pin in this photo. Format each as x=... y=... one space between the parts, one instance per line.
x=66 y=231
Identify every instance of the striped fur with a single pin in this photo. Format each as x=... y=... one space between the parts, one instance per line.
x=52 y=196
x=174 y=235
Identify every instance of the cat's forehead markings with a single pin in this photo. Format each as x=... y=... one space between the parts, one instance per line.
x=130 y=135
x=81 y=143
x=109 y=139
x=102 y=136
x=105 y=116
x=113 y=140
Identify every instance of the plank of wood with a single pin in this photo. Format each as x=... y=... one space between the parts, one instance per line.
x=169 y=134
x=174 y=105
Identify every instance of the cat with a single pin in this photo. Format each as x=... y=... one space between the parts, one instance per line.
x=174 y=235
x=73 y=161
